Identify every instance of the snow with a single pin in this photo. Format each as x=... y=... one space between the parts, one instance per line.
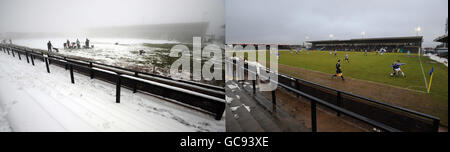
x=246 y=107
x=106 y=71
x=437 y=59
x=257 y=65
x=233 y=86
x=234 y=108
x=4 y=124
x=38 y=101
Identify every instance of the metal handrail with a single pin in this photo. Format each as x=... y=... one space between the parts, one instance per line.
x=364 y=98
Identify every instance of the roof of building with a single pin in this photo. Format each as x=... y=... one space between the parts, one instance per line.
x=369 y=40
x=443 y=38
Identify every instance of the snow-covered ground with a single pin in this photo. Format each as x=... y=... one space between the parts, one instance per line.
x=33 y=100
x=105 y=50
x=438 y=59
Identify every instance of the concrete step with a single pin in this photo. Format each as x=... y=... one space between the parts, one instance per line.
x=245 y=119
x=231 y=123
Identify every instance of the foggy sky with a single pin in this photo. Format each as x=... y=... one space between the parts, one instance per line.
x=77 y=15
x=291 y=21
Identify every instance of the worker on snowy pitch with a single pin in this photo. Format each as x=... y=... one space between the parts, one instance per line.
x=78 y=44
x=49 y=46
x=87 y=43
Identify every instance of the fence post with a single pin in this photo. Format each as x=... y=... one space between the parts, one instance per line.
x=7 y=50
x=254 y=87
x=313 y=117
x=92 y=71
x=436 y=125
x=26 y=54
x=118 y=84
x=46 y=64
x=71 y=75
x=136 y=74
x=274 y=100
x=12 y=51
x=339 y=102
x=32 y=59
x=18 y=54
x=297 y=86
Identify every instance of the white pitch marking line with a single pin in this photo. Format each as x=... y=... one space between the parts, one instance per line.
x=423 y=72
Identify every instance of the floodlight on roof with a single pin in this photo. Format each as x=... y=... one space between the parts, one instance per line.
x=418 y=29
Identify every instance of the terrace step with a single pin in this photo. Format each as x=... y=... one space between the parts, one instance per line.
x=245 y=120
x=280 y=118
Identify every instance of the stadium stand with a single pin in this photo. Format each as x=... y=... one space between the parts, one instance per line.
x=391 y=44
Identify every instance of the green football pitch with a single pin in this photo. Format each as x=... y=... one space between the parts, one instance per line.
x=377 y=68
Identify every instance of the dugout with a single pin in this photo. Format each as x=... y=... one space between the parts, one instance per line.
x=391 y=44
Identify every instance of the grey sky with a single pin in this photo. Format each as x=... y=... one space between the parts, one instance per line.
x=290 y=21
x=75 y=15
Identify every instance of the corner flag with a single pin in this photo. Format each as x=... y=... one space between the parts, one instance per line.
x=431 y=78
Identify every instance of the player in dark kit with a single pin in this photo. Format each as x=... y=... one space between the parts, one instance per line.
x=347 y=58
x=338 y=71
